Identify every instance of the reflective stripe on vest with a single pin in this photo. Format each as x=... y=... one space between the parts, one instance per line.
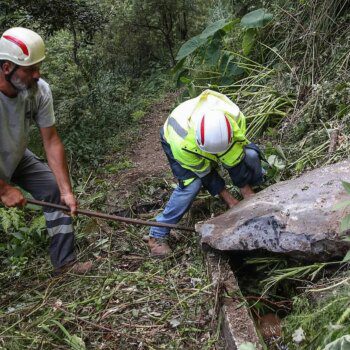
x=179 y=133
x=177 y=127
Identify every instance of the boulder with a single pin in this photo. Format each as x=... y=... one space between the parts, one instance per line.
x=294 y=216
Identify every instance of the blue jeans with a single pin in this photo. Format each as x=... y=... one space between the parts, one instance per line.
x=179 y=203
x=248 y=171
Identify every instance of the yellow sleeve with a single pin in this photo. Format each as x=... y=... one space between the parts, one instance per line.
x=190 y=161
x=241 y=122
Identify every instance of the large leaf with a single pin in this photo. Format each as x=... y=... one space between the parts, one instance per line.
x=256 y=19
x=197 y=41
x=346 y=185
x=190 y=46
x=248 y=42
x=341 y=205
x=345 y=223
x=342 y=343
x=178 y=66
x=346 y=257
x=216 y=26
x=233 y=70
x=275 y=161
x=229 y=68
x=213 y=50
x=18 y=235
x=280 y=152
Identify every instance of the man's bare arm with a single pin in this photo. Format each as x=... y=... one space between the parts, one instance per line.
x=57 y=161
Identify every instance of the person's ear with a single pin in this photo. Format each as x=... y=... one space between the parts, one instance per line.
x=7 y=67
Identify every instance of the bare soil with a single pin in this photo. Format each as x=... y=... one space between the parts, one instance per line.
x=148 y=157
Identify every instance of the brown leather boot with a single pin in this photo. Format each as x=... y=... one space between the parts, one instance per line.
x=79 y=268
x=159 y=247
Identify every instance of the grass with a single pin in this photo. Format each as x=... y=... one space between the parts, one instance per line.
x=295 y=92
x=322 y=311
x=129 y=301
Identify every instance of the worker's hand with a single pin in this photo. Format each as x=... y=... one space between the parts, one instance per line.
x=227 y=197
x=69 y=200
x=12 y=197
x=247 y=191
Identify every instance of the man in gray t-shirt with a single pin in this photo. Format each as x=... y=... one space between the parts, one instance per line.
x=26 y=99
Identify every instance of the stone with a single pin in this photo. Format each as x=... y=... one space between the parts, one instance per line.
x=238 y=327
x=294 y=217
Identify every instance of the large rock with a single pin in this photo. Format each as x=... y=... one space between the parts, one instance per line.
x=293 y=216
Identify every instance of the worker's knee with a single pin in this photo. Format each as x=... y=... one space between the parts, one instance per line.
x=186 y=194
x=195 y=186
x=253 y=162
x=248 y=171
x=252 y=158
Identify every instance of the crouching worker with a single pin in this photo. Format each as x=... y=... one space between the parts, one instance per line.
x=25 y=98
x=198 y=135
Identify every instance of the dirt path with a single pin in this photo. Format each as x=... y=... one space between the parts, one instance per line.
x=147 y=157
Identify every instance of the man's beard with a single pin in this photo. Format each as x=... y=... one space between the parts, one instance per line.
x=20 y=86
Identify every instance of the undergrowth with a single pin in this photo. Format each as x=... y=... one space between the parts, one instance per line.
x=129 y=301
x=321 y=314
x=292 y=83
x=290 y=77
x=287 y=68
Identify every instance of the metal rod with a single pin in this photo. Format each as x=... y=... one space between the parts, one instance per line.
x=108 y=216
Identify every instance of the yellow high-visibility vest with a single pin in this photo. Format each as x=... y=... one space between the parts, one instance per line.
x=179 y=132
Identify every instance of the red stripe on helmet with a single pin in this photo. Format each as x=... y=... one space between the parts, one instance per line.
x=228 y=130
x=202 y=131
x=19 y=43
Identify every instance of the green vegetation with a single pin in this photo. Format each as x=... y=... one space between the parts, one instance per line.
x=285 y=64
x=321 y=312
x=345 y=223
x=130 y=301
x=287 y=67
x=294 y=92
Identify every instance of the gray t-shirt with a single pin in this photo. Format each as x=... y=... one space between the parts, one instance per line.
x=16 y=115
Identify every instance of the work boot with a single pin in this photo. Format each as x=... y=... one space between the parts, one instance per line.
x=159 y=247
x=79 y=268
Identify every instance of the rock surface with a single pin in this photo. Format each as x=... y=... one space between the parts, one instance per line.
x=293 y=216
x=237 y=324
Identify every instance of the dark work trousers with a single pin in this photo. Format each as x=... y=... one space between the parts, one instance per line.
x=35 y=177
x=249 y=170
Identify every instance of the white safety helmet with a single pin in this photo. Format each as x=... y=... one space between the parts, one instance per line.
x=22 y=46
x=214 y=132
